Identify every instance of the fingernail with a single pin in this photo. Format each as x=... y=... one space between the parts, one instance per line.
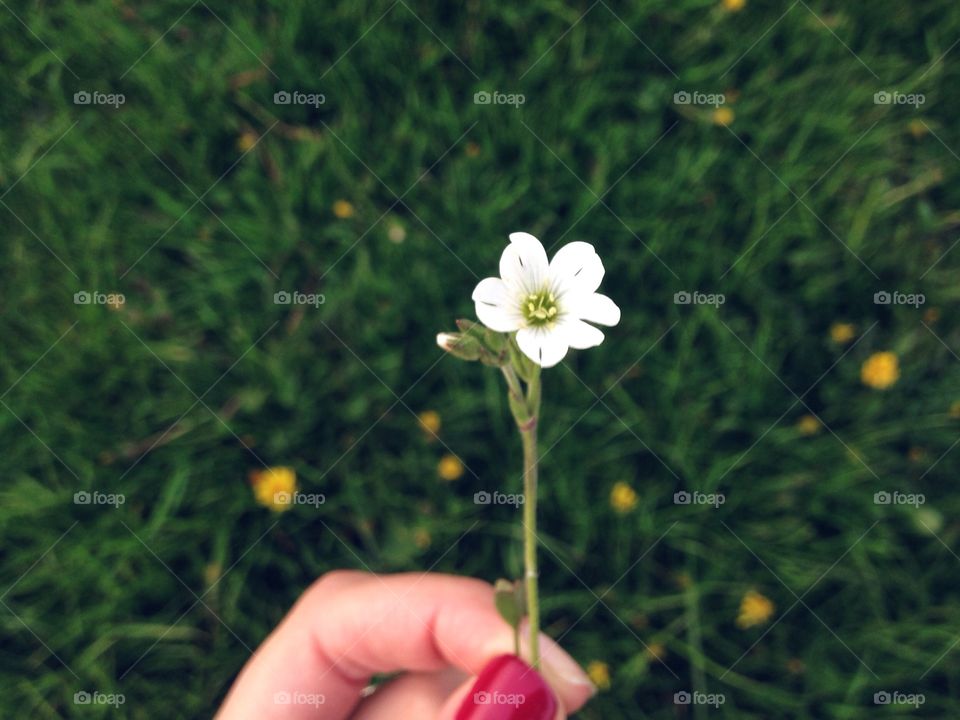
x=508 y=689
x=561 y=666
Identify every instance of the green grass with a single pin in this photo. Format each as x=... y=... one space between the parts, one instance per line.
x=692 y=397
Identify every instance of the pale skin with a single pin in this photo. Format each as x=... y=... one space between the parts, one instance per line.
x=438 y=630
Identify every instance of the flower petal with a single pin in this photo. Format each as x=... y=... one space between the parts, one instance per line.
x=545 y=347
x=523 y=264
x=576 y=267
x=580 y=335
x=495 y=306
x=596 y=308
x=491 y=290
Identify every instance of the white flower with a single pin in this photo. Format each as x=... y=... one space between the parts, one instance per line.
x=546 y=304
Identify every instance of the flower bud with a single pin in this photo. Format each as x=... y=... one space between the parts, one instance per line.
x=475 y=342
x=459 y=345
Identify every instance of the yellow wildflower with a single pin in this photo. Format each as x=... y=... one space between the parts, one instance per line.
x=623 y=498
x=274 y=487
x=755 y=609
x=808 y=425
x=734 y=5
x=471 y=149
x=450 y=467
x=842 y=333
x=656 y=651
x=723 y=116
x=599 y=673
x=430 y=422
x=343 y=209
x=880 y=370
x=246 y=141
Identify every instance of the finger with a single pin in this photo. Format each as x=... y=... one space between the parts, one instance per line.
x=507 y=689
x=414 y=695
x=351 y=625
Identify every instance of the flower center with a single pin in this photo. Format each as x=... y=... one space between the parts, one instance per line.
x=540 y=308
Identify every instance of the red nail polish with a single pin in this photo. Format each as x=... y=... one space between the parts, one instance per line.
x=508 y=689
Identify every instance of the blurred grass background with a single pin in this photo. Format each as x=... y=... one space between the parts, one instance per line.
x=199 y=198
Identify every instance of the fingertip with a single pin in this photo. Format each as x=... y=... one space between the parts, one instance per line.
x=565 y=675
x=568 y=680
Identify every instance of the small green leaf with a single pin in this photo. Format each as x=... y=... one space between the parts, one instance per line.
x=508 y=597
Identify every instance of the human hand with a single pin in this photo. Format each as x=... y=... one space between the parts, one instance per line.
x=440 y=631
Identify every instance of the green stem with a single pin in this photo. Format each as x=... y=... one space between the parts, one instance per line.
x=513 y=382
x=528 y=434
